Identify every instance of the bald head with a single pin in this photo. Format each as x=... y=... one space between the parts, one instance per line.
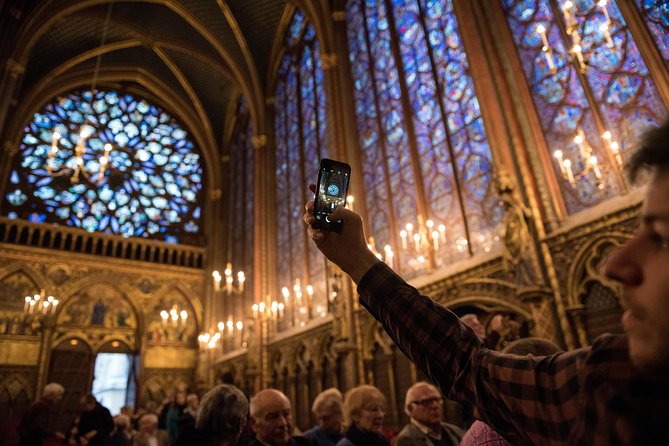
x=272 y=417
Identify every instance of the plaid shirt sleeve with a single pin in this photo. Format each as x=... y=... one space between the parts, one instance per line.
x=528 y=400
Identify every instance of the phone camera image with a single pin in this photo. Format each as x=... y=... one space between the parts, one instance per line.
x=333 y=178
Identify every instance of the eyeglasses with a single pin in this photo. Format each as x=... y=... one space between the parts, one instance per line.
x=427 y=402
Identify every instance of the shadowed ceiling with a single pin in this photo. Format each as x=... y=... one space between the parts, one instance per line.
x=205 y=53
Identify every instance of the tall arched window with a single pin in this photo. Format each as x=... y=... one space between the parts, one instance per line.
x=656 y=16
x=300 y=131
x=153 y=183
x=425 y=156
x=591 y=87
x=241 y=222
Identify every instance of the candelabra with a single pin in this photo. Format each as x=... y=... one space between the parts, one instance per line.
x=40 y=304
x=421 y=242
x=571 y=27
x=299 y=305
x=230 y=288
x=174 y=323
x=586 y=157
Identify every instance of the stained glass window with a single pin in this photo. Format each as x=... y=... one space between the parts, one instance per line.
x=153 y=182
x=656 y=15
x=591 y=88
x=300 y=131
x=423 y=144
x=241 y=222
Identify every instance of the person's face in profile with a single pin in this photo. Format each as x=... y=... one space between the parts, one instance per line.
x=641 y=266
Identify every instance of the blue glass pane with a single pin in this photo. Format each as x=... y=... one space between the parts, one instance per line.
x=156 y=169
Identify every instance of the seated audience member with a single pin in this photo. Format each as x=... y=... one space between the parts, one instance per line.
x=122 y=434
x=149 y=434
x=328 y=410
x=95 y=422
x=479 y=433
x=272 y=420
x=364 y=408
x=425 y=407
x=33 y=428
x=613 y=392
x=220 y=418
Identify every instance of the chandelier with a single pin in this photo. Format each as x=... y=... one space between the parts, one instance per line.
x=230 y=288
x=76 y=164
x=40 y=304
x=576 y=51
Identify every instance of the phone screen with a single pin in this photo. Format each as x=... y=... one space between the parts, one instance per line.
x=331 y=190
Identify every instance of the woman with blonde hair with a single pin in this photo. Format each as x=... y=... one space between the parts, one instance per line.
x=364 y=408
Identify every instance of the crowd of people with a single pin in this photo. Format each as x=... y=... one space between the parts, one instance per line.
x=614 y=392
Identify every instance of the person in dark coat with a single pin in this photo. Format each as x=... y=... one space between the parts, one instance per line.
x=34 y=425
x=95 y=423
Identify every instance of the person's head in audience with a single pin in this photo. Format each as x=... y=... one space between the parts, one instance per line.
x=328 y=409
x=222 y=414
x=364 y=408
x=424 y=404
x=148 y=424
x=641 y=266
x=122 y=423
x=532 y=346
x=472 y=321
x=192 y=401
x=272 y=417
x=88 y=402
x=53 y=392
x=126 y=410
x=180 y=398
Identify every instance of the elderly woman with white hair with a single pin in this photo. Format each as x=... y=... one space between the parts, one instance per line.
x=328 y=408
x=364 y=409
x=34 y=425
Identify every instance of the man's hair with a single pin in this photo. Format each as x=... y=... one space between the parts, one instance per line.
x=328 y=401
x=409 y=395
x=256 y=402
x=88 y=399
x=150 y=417
x=653 y=152
x=532 y=346
x=357 y=398
x=52 y=389
x=222 y=414
x=122 y=422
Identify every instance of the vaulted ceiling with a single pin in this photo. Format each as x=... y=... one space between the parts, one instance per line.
x=195 y=57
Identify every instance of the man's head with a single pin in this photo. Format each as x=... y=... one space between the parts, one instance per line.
x=88 y=402
x=532 y=346
x=149 y=424
x=53 y=392
x=472 y=321
x=192 y=401
x=425 y=404
x=222 y=414
x=641 y=265
x=272 y=417
x=328 y=410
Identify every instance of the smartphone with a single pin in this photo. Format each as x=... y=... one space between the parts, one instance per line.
x=331 y=191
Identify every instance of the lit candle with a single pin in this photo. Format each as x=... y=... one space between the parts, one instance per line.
x=27 y=304
x=281 y=306
x=579 y=56
x=616 y=152
x=254 y=307
x=239 y=325
x=549 y=59
x=409 y=228
x=579 y=139
x=570 y=174
x=442 y=233
x=349 y=202
x=241 y=278
x=435 y=240
x=286 y=293
x=416 y=239
x=542 y=32
x=221 y=325
x=595 y=168
x=389 y=255
x=164 y=316
x=604 y=28
x=217 y=280
x=230 y=324
x=403 y=234
x=558 y=156
x=568 y=14
x=602 y=4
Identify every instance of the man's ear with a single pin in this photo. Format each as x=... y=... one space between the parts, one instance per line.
x=253 y=424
